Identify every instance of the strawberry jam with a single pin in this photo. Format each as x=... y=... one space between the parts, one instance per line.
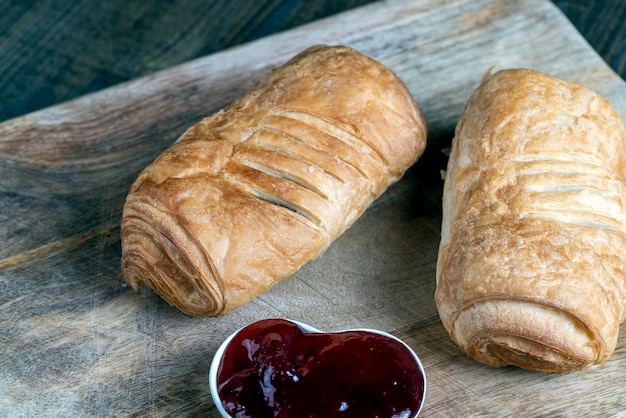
x=273 y=368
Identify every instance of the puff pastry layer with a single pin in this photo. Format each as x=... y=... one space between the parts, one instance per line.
x=247 y=196
x=531 y=268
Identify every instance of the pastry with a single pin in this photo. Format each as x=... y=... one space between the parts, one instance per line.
x=247 y=196
x=531 y=267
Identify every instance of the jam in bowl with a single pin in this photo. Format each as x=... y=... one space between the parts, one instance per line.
x=281 y=368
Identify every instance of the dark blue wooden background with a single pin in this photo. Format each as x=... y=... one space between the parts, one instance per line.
x=52 y=51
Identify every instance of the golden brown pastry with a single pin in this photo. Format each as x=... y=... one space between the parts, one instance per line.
x=248 y=195
x=531 y=268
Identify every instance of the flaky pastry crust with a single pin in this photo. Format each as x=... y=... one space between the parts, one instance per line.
x=531 y=268
x=247 y=196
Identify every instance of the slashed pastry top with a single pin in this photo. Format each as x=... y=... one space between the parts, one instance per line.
x=531 y=268
x=248 y=195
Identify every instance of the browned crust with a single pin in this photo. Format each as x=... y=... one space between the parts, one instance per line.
x=248 y=195
x=531 y=262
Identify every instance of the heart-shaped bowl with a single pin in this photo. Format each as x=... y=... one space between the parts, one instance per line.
x=278 y=367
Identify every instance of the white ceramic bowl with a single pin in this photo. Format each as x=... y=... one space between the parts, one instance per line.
x=217 y=359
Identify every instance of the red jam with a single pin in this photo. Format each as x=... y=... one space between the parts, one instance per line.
x=273 y=368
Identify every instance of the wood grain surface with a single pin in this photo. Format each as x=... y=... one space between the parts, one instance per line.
x=76 y=341
x=51 y=52
x=603 y=25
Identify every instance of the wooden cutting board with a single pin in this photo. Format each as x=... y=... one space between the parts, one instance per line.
x=76 y=341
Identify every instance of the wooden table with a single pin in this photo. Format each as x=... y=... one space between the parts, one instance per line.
x=76 y=341
x=51 y=53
